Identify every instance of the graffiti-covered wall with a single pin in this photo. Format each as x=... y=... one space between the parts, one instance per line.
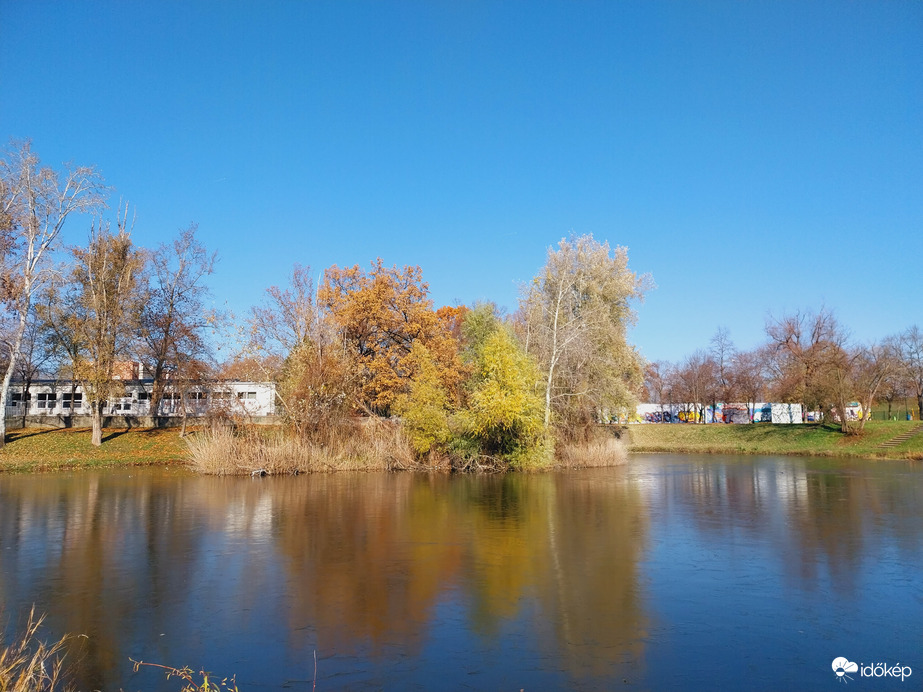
x=719 y=413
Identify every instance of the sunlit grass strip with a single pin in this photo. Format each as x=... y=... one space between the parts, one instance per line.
x=764 y=438
x=29 y=664
x=38 y=449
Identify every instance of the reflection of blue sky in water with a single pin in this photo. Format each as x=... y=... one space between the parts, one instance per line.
x=779 y=562
x=669 y=573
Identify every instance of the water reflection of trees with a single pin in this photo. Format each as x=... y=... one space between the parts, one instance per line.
x=97 y=552
x=365 y=561
x=367 y=557
x=589 y=583
x=371 y=558
x=818 y=516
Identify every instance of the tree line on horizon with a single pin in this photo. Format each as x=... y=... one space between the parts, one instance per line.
x=79 y=312
x=807 y=358
x=465 y=381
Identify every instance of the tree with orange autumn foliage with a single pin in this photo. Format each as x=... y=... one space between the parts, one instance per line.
x=452 y=319
x=381 y=314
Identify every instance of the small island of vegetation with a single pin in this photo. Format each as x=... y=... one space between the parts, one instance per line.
x=371 y=376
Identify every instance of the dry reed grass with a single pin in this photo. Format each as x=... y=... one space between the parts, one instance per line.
x=602 y=451
x=361 y=445
x=366 y=444
x=31 y=665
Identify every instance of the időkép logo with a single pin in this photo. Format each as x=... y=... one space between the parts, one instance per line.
x=843 y=666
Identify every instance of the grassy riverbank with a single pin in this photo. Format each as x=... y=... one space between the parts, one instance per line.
x=379 y=447
x=764 y=438
x=38 y=449
x=51 y=450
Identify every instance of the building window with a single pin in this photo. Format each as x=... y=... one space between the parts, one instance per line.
x=144 y=396
x=46 y=400
x=78 y=400
x=248 y=396
x=122 y=404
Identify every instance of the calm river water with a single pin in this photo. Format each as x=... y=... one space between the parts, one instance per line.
x=671 y=572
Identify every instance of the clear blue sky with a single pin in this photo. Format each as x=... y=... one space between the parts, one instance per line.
x=755 y=157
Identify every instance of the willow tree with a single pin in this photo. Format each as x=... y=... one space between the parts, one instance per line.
x=35 y=201
x=575 y=316
x=424 y=406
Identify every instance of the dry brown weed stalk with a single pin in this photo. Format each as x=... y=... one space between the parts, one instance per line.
x=29 y=664
x=208 y=683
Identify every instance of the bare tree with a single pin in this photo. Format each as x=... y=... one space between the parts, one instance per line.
x=288 y=339
x=56 y=315
x=35 y=353
x=872 y=366
x=175 y=317
x=657 y=383
x=696 y=382
x=249 y=367
x=188 y=374
x=35 y=201
x=895 y=384
x=747 y=372
x=722 y=354
x=286 y=320
x=911 y=360
x=805 y=357
x=838 y=376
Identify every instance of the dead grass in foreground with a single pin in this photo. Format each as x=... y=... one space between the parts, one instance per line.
x=29 y=664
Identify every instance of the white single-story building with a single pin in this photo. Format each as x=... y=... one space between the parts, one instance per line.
x=66 y=398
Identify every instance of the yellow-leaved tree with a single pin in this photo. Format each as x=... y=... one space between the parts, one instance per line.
x=423 y=408
x=504 y=413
